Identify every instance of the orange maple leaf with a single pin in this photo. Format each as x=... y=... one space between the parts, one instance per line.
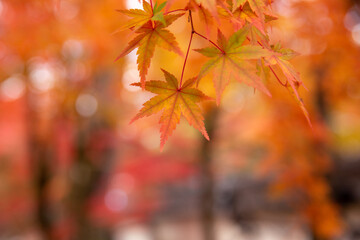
x=149 y=36
x=210 y=5
x=256 y=5
x=174 y=101
x=280 y=58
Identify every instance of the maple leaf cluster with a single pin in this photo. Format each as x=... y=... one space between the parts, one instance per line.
x=246 y=56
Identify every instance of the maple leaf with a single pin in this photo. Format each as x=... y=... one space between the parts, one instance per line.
x=149 y=36
x=280 y=58
x=251 y=7
x=229 y=61
x=210 y=5
x=294 y=81
x=141 y=17
x=299 y=101
x=245 y=15
x=237 y=3
x=174 y=101
x=256 y=5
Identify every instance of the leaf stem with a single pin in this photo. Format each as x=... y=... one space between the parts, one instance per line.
x=278 y=79
x=188 y=49
x=176 y=10
x=215 y=45
x=272 y=70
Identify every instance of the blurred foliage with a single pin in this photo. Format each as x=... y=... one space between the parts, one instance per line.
x=71 y=166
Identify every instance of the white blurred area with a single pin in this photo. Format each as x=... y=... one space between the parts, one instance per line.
x=224 y=230
x=66 y=10
x=42 y=77
x=352 y=23
x=1 y=7
x=73 y=49
x=133 y=4
x=86 y=105
x=12 y=88
x=136 y=232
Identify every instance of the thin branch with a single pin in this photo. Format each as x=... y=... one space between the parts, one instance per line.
x=215 y=45
x=192 y=23
x=188 y=50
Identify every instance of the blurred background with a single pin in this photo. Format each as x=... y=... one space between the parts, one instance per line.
x=71 y=166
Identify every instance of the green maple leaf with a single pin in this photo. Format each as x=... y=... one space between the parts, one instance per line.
x=174 y=100
x=141 y=17
x=230 y=61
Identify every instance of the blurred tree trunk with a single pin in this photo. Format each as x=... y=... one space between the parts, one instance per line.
x=41 y=179
x=38 y=156
x=86 y=177
x=207 y=178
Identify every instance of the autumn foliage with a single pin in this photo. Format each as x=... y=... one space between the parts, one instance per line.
x=246 y=56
